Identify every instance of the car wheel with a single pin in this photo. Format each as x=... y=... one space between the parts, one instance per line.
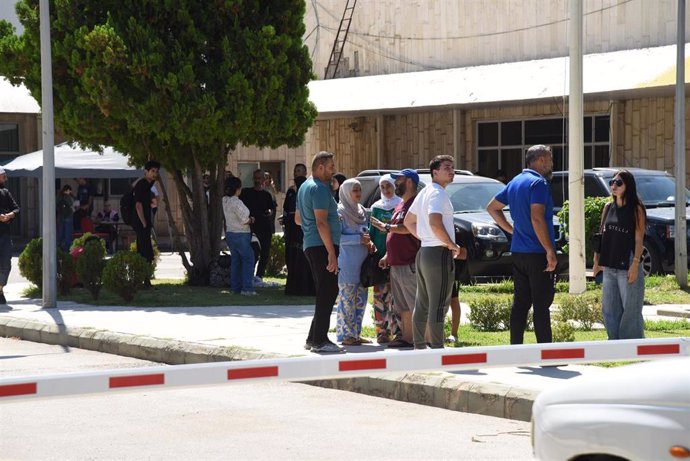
x=651 y=260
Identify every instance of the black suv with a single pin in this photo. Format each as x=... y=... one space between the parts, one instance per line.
x=657 y=190
x=487 y=245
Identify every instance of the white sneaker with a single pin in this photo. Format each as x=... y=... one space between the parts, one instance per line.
x=328 y=347
x=248 y=293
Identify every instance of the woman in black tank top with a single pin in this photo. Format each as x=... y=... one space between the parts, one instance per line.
x=623 y=223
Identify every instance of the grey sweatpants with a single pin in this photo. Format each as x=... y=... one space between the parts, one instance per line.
x=435 y=276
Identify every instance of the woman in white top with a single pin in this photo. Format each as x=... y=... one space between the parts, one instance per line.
x=238 y=236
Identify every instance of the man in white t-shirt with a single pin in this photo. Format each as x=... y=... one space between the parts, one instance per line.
x=430 y=219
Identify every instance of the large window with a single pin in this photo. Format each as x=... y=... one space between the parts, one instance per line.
x=9 y=138
x=502 y=145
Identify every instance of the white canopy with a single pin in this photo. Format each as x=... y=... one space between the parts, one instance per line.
x=74 y=162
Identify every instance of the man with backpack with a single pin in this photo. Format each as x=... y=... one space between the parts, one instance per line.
x=142 y=219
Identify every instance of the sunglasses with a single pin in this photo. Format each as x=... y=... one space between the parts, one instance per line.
x=617 y=182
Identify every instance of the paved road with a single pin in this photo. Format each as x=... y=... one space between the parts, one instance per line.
x=258 y=421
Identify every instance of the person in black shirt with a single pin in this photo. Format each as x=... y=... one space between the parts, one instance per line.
x=299 y=279
x=143 y=220
x=8 y=211
x=84 y=194
x=623 y=223
x=263 y=209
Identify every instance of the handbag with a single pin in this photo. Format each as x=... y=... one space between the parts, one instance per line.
x=371 y=274
x=596 y=238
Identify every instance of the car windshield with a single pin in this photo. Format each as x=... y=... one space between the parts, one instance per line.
x=656 y=190
x=471 y=197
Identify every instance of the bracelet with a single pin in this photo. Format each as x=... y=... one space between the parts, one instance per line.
x=387 y=227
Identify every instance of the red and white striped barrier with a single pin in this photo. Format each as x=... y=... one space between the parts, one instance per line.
x=341 y=365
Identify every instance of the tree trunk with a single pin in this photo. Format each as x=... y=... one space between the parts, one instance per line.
x=202 y=219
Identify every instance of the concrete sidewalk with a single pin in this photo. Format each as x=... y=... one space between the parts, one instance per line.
x=202 y=334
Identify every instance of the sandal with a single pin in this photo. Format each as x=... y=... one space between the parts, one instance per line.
x=383 y=338
x=350 y=341
x=365 y=341
x=400 y=344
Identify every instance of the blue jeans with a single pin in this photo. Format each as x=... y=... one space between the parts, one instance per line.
x=5 y=258
x=241 y=261
x=64 y=232
x=621 y=304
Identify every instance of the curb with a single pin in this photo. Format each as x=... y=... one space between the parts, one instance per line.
x=680 y=313
x=172 y=352
x=439 y=389
x=442 y=390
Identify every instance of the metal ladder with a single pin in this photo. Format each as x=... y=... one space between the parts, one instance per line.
x=339 y=44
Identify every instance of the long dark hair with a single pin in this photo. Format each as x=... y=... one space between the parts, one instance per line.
x=630 y=197
x=231 y=186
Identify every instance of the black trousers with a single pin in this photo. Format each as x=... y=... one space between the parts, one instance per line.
x=144 y=247
x=326 y=284
x=265 y=242
x=533 y=287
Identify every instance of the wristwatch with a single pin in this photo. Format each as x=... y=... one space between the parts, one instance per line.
x=387 y=227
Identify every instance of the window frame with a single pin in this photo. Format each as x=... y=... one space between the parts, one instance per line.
x=16 y=141
x=589 y=147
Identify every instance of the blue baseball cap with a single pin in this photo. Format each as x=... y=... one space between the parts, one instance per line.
x=408 y=173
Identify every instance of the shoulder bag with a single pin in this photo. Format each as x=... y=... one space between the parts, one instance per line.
x=596 y=238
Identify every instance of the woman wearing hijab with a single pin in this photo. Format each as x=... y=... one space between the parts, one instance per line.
x=337 y=180
x=299 y=279
x=385 y=318
x=355 y=244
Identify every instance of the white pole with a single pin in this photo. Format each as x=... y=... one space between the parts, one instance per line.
x=48 y=192
x=576 y=222
x=681 y=244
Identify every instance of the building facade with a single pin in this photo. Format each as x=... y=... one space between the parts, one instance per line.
x=625 y=125
x=622 y=128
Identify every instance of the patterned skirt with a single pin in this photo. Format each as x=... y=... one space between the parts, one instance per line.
x=351 y=303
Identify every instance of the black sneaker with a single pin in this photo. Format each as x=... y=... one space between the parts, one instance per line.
x=3 y=301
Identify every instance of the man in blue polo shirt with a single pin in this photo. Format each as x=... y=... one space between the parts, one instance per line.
x=317 y=213
x=533 y=244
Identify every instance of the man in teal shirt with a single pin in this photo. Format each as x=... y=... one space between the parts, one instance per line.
x=317 y=213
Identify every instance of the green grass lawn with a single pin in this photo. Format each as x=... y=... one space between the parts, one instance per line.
x=659 y=289
x=468 y=336
x=174 y=293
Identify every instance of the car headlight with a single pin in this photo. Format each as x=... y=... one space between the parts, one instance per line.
x=488 y=232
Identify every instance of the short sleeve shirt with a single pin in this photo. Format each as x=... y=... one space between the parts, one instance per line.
x=315 y=195
x=433 y=199
x=401 y=248
x=526 y=189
